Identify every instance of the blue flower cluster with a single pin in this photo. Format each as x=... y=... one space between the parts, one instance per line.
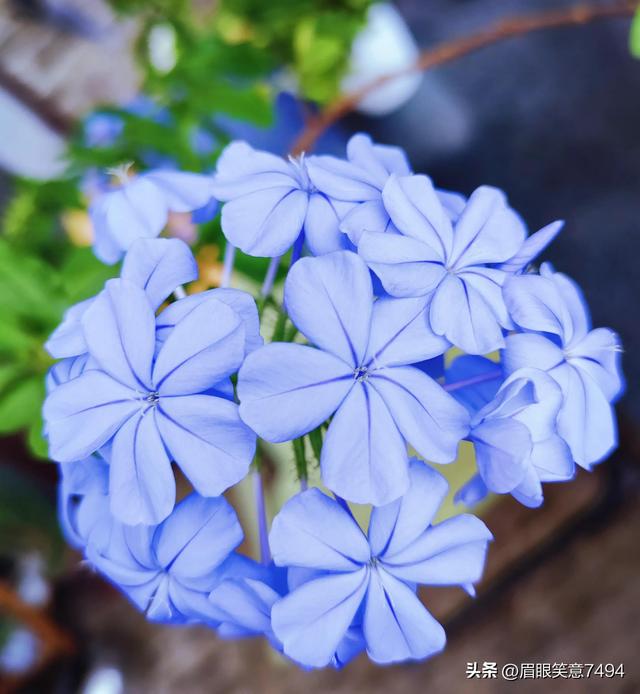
x=387 y=275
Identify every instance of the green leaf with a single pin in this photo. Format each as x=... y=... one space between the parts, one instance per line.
x=20 y=406
x=634 y=36
x=36 y=441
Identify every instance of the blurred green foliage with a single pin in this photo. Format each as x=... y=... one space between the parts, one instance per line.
x=634 y=36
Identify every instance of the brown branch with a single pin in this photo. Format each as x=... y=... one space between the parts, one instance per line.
x=457 y=48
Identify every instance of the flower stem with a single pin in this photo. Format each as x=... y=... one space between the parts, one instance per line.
x=229 y=258
x=261 y=513
x=301 y=458
x=269 y=278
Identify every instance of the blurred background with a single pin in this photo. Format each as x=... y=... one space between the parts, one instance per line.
x=551 y=117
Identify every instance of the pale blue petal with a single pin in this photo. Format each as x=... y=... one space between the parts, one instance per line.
x=378 y=160
x=472 y=492
x=579 y=322
x=119 y=328
x=182 y=191
x=396 y=625
x=395 y=526
x=141 y=484
x=502 y=448
x=314 y=531
x=241 y=302
x=312 y=621
x=535 y=304
x=341 y=179
x=67 y=340
x=364 y=457
x=265 y=223
x=488 y=231
x=529 y=350
x=366 y=216
x=329 y=299
x=286 y=390
x=242 y=170
x=198 y=536
x=84 y=413
x=322 y=227
x=204 y=347
x=599 y=354
x=401 y=334
x=586 y=420
x=532 y=247
x=473 y=326
x=207 y=439
x=450 y=553
x=429 y=418
x=159 y=266
x=415 y=209
x=406 y=267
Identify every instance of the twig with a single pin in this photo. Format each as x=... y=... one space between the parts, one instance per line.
x=457 y=48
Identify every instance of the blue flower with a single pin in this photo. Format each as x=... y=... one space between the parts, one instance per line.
x=359 y=181
x=358 y=374
x=151 y=400
x=140 y=208
x=557 y=338
x=156 y=265
x=515 y=439
x=168 y=570
x=270 y=202
x=371 y=579
x=83 y=503
x=451 y=264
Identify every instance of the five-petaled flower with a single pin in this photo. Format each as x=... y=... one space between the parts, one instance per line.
x=350 y=577
x=356 y=372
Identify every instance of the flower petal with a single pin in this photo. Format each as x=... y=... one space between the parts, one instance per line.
x=286 y=390
x=329 y=299
x=84 y=413
x=198 y=536
x=502 y=448
x=532 y=247
x=488 y=230
x=401 y=334
x=141 y=484
x=207 y=440
x=241 y=302
x=182 y=191
x=204 y=347
x=314 y=531
x=67 y=340
x=364 y=457
x=366 y=216
x=396 y=624
x=159 y=266
x=395 y=526
x=119 y=328
x=529 y=350
x=312 y=620
x=586 y=420
x=451 y=553
x=429 y=418
x=416 y=210
x=267 y=222
x=321 y=227
x=473 y=326
x=406 y=267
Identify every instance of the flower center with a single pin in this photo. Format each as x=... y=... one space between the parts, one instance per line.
x=373 y=562
x=361 y=374
x=152 y=399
